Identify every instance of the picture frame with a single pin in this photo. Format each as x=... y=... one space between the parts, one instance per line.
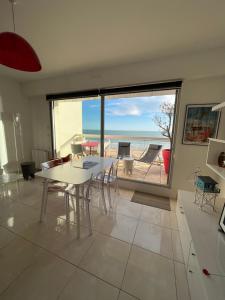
x=222 y=219
x=200 y=124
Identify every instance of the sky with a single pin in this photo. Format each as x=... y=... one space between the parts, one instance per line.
x=136 y=113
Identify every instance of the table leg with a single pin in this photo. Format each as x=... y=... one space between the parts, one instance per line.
x=44 y=199
x=78 y=210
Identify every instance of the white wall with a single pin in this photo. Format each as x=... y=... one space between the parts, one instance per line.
x=188 y=66
x=12 y=100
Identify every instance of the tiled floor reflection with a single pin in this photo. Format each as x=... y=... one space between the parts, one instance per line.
x=134 y=252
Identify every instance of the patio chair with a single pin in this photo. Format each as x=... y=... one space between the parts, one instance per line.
x=149 y=156
x=77 y=150
x=123 y=149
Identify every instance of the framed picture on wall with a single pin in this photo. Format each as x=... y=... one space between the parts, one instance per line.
x=200 y=124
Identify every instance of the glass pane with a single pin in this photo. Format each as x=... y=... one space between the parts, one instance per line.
x=138 y=130
x=77 y=122
x=11 y=148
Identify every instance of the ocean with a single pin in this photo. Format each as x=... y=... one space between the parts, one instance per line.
x=139 y=139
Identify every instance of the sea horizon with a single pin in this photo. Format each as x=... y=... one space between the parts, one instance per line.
x=145 y=133
x=125 y=134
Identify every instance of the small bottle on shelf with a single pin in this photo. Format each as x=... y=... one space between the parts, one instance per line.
x=221 y=160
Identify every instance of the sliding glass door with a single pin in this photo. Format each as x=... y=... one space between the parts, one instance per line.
x=142 y=122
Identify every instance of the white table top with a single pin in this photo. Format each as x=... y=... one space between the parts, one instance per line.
x=69 y=173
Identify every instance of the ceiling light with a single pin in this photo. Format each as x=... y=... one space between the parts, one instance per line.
x=16 y=52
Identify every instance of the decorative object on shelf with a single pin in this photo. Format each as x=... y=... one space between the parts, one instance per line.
x=221 y=160
x=16 y=52
x=206 y=192
x=222 y=220
x=205 y=272
x=28 y=169
x=201 y=123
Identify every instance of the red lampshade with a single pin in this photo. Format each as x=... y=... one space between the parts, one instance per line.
x=16 y=53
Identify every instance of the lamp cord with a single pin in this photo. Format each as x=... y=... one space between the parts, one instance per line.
x=12 y=6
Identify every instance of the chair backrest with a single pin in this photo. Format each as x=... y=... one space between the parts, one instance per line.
x=79 y=138
x=51 y=163
x=151 y=154
x=67 y=158
x=76 y=148
x=112 y=171
x=123 y=149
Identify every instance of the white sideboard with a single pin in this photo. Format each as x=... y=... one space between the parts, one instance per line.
x=203 y=247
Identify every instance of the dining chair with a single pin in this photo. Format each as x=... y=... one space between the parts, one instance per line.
x=53 y=185
x=70 y=194
x=98 y=182
x=110 y=179
x=66 y=158
x=77 y=150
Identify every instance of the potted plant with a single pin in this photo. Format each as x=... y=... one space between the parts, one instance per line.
x=165 y=123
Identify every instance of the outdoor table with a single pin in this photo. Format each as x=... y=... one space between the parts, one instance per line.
x=128 y=165
x=90 y=144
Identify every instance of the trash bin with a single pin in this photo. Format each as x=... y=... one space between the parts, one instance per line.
x=28 y=169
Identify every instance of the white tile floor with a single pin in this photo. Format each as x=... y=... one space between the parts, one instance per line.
x=134 y=252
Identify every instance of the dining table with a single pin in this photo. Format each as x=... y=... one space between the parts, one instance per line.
x=77 y=173
x=90 y=145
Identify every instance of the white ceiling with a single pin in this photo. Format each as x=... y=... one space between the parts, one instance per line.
x=77 y=35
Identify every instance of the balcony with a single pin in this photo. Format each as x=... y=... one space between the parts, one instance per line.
x=140 y=171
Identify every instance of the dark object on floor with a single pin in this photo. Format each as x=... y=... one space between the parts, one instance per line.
x=151 y=200
x=28 y=169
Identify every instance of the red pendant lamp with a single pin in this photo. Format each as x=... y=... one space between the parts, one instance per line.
x=16 y=52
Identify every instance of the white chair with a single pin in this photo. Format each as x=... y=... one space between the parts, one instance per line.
x=99 y=181
x=53 y=186
x=70 y=194
x=111 y=179
x=108 y=179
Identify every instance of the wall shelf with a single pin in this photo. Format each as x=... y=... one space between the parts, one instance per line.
x=214 y=149
x=218 y=106
x=218 y=170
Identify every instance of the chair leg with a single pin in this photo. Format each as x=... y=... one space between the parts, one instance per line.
x=82 y=198
x=88 y=217
x=148 y=170
x=74 y=209
x=109 y=195
x=44 y=200
x=103 y=198
x=67 y=207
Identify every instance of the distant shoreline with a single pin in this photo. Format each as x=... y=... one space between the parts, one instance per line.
x=125 y=133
